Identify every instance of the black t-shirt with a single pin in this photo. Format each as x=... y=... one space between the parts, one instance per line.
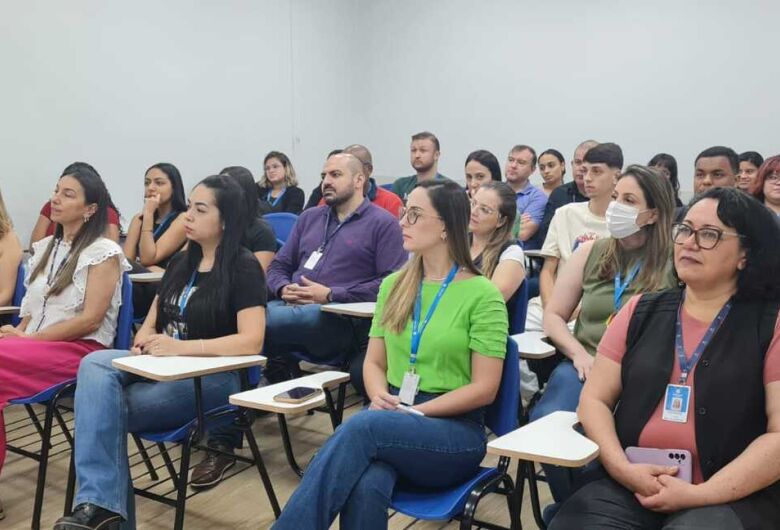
x=248 y=290
x=259 y=237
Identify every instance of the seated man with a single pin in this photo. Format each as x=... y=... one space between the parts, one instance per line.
x=520 y=165
x=424 y=157
x=339 y=252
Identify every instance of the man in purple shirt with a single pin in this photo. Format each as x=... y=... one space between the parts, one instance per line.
x=339 y=252
x=531 y=200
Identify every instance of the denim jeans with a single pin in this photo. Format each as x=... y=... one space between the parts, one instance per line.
x=355 y=472
x=111 y=403
x=562 y=393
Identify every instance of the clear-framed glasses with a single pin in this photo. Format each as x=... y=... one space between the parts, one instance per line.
x=706 y=238
x=481 y=208
x=413 y=214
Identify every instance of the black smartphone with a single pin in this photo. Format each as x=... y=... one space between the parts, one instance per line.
x=297 y=394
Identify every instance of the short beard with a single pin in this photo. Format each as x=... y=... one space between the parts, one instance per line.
x=424 y=169
x=337 y=200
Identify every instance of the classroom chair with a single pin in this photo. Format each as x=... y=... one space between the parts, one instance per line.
x=282 y=223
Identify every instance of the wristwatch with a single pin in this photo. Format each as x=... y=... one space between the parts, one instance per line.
x=329 y=298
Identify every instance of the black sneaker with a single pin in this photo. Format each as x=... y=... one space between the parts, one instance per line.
x=88 y=516
x=211 y=470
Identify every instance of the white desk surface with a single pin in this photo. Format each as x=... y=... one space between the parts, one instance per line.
x=146 y=277
x=534 y=253
x=9 y=309
x=548 y=440
x=263 y=398
x=357 y=309
x=531 y=345
x=175 y=368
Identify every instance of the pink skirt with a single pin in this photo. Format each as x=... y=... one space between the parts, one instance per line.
x=29 y=366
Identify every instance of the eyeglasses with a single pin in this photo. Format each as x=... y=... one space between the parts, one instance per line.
x=481 y=208
x=774 y=178
x=706 y=238
x=413 y=214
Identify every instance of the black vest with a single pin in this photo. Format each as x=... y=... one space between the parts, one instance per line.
x=729 y=389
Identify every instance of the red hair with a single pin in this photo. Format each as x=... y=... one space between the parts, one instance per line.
x=770 y=165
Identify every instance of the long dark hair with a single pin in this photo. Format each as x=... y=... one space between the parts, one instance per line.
x=760 y=233
x=244 y=178
x=452 y=205
x=95 y=192
x=487 y=159
x=212 y=296
x=178 y=201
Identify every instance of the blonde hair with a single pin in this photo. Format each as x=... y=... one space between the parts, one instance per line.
x=290 y=179
x=5 y=220
x=507 y=210
x=657 y=249
x=452 y=205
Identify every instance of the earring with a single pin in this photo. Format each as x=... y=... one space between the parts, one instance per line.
x=86 y=219
x=444 y=236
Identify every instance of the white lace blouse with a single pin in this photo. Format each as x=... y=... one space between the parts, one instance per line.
x=70 y=302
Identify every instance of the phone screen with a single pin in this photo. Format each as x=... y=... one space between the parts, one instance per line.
x=299 y=392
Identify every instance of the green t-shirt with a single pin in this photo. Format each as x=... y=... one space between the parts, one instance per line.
x=403 y=186
x=471 y=316
x=598 y=298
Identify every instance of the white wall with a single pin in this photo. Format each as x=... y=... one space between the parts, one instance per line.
x=204 y=85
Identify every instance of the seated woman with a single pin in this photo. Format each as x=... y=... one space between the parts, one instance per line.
x=279 y=185
x=667 y=165
x=601 y=276
x=493 y=249
x=211 y=302
x=456 y=360
x=481 y=167
x=45 y=225
x=10 y=256
x=74 y=290
x=766 y=188
x=552 y=168
x=727 y=259
x=259 y=236
x=157 y=232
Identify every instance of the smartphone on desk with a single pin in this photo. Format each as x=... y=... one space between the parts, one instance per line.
x=298 y=394
x=679 y=458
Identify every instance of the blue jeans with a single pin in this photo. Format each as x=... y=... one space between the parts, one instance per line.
x=562 y=393
x=111 y=403
x=355 y=472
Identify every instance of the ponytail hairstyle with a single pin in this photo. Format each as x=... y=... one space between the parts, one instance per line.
x=452 y=205
x=95 y=192
x=212 y=296
x=507 y=211
x=244 y=178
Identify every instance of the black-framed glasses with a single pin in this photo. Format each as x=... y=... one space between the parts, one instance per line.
x=413 y=214
x=706 y=238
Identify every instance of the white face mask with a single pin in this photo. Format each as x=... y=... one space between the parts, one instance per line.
x=621 y=220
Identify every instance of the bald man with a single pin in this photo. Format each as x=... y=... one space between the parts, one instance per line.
x=338 y=252
x=377 y=195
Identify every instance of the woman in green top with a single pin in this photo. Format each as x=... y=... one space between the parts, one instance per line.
x=600 y=277
x=433 y=437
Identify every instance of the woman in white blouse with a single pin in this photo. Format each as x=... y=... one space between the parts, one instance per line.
x=73 y=294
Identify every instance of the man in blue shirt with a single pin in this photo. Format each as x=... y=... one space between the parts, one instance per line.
x=531 y=200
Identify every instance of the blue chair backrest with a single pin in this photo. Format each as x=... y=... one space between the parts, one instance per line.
x=282 y=223
x=124 y=324
x=521 y=309
x=501 y=416
x=19 y=291
x=388 y=187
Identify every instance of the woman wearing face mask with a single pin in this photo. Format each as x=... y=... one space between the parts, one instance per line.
x=601 y=275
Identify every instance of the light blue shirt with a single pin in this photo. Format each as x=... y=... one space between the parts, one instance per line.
x=532 y=200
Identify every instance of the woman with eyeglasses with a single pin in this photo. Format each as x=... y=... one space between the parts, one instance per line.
x=425 y=425
x=278 y=189
x=599 y=278
x=766 y=188
x=694 y=369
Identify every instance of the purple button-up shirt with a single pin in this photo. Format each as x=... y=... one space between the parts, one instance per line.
x=356 y=258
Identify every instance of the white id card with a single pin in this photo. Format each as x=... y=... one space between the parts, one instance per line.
x=409 y=388
x=313 y=260
x=676 y=401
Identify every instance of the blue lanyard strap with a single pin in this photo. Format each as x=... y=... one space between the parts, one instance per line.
x=163 y=224
x=417 y=329
x=326 y=236
x=621 y=286
x=186 y=294
x=686 y=365
x=275 y=201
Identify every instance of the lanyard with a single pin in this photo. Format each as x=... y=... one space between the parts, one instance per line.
x=186 y=294
x=327 y=237
x=53 y=275
x=686 y=365
x=163 y=224
x=417 y=329
x=275 y=201
x=621 y=286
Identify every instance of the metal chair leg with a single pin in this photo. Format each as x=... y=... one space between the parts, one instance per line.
x=269 y=488
x=287 y=443
x=145 y=457
x=43 y=466
x=181 y=482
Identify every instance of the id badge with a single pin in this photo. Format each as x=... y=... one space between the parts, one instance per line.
x=314 y=258
x=676 y=401
x=409 y=388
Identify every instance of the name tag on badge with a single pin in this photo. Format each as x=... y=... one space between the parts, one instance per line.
x=676 y=402
x=314 y=258
x=409 y=388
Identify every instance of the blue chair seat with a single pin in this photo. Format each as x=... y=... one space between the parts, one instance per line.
x=42 y=396
x=440 y=504
x=179 y=434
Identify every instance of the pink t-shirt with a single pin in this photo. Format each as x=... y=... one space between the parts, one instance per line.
x=658 y=433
